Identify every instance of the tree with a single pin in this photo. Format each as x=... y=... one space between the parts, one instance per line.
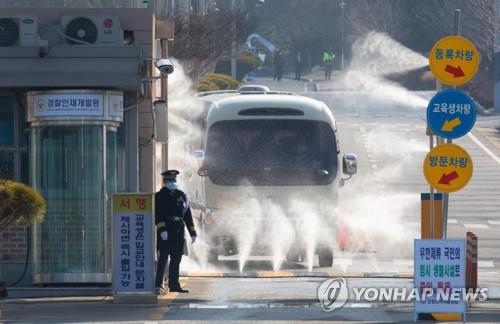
x=311 y=26
x=20 y=203
x=204 y=38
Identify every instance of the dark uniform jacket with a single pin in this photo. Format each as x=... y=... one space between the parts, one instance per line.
x=168 y=205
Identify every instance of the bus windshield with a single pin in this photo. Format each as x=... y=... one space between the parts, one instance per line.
x=271 y=152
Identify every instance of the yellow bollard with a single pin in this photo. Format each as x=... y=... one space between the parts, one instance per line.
x=426 y=216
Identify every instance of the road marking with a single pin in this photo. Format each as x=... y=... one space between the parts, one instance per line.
x=452 y=221
x=342 y=261
x=360 y=305
x=271 y=274
x=193 y=305
x=492 y=222
x=403 y=262
x=485 y=264
x=163 y=305
x=476 y=225
x=205 y=274
x=481 y=145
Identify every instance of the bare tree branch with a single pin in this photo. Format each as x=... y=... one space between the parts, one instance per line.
x=206 y=38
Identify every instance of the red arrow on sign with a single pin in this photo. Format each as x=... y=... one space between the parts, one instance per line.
x=456 y=71
x=446 y=178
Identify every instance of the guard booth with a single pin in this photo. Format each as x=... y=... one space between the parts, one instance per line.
x=73 y=165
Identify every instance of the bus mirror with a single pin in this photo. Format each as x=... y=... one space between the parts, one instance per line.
x=199 y=156
x=350 y=164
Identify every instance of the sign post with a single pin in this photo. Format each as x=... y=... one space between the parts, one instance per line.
x=453 y=60
x=439 y=265
x=133 y=249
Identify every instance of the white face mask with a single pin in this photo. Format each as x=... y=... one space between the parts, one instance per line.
x=171 y=185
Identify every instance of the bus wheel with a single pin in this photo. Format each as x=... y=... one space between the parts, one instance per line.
x=325 y=256
x=213 y=255
x=293 y=254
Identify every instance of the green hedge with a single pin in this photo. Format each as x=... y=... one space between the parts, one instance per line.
x=245 y=62
x=216 y=81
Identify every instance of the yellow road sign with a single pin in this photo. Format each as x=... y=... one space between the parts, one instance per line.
x=454 y=60
x=448 y=167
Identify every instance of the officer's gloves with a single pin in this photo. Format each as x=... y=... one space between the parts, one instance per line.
x=164 y=236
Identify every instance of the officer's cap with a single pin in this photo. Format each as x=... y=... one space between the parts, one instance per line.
x=170 y=174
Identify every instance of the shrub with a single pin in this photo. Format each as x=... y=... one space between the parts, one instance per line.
x=18 y=202
x=216 y=81
x=245 y=62
x=206 y=84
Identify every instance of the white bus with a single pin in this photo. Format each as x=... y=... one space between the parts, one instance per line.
x=269 y=175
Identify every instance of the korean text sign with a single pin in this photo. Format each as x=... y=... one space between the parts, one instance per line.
x=133 y=238
x=439 y=272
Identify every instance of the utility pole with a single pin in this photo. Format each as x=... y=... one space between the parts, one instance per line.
x=342 y=5
x=233 y=45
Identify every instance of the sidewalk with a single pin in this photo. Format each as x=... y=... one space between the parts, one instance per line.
x=310 y=82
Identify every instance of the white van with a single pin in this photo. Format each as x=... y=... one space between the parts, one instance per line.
x=269 y=176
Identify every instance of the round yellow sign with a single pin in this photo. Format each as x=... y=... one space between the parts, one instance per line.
x=454 y=60
x=448 y=167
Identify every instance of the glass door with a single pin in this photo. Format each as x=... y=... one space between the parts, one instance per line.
x=73 y=168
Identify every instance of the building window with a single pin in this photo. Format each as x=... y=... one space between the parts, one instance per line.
x=13 y=140
x=7 y=121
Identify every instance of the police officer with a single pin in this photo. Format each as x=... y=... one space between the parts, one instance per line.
x=328 y=57
x=171 y=213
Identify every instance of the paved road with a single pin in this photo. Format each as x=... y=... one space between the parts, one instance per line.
x=386 y=129
x=212 y=300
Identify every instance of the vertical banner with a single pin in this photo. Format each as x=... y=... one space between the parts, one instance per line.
x=439 y=272
x=133 y=239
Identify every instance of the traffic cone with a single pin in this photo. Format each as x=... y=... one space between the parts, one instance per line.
x=351 y=239
x=342 y=234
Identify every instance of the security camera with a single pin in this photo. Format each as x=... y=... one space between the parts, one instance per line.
x=165 y=66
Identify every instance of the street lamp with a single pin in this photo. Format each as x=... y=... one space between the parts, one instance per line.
x=342 y=5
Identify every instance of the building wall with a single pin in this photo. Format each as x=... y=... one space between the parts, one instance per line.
x=496 y=47
x=140 y=149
